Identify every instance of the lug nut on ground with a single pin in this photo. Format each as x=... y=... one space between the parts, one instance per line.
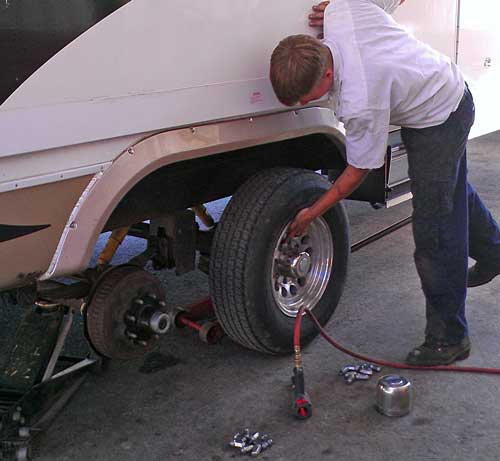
x=251 y=444
x=361 y=372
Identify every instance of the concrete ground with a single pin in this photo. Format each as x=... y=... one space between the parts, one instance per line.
x=190 y=411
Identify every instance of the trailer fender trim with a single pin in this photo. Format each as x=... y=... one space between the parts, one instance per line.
x=108 y=187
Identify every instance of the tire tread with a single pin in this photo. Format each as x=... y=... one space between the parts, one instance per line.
x=230 y=249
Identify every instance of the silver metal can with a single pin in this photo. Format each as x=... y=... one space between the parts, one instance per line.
x=394 y=395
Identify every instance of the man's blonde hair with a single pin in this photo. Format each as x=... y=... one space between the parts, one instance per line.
x=297 y=65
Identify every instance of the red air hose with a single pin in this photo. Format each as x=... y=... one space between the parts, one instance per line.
x=296 y=330
x=302 y=405
x=402 y=366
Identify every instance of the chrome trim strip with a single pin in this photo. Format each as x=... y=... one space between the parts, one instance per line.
x=70 y=226
x=396 y=201
x=398 y=183
x=53 y=177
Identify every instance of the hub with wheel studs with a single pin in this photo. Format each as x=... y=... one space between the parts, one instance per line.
x=146 y=320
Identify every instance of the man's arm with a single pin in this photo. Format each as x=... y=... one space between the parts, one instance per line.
x=366 y=145
x=345 y=185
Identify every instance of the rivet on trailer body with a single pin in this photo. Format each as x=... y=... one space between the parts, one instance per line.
x=250 y=119
x=193 y=130
x=130 y=151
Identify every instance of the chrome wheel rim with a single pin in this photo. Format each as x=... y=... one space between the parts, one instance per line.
x=302 y=267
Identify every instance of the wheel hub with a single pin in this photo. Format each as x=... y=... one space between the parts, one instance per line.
x=302 y=267
x=146 y=319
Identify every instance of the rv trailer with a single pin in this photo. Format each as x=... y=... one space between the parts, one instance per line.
x=128 y=116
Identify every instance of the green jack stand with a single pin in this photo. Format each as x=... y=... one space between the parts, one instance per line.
x=36 y=381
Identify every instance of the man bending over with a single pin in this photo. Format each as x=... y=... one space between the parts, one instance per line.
x=377 y=74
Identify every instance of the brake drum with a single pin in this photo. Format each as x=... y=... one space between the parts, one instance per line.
x=126 y=313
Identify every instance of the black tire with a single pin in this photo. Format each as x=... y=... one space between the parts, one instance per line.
x=242 y=256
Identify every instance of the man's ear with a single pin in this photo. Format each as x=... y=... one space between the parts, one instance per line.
x=328 y=74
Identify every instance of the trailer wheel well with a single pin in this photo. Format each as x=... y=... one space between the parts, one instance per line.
x=200 y=180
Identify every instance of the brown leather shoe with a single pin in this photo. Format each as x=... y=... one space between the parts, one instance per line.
x=432 y=353
x=480 y=274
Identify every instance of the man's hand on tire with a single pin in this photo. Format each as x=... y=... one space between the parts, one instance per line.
x=300 y=223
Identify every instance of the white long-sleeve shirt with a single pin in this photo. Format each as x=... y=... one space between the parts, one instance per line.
x=384 y=76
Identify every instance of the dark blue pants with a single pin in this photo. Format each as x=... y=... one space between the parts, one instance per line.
x=450 y=222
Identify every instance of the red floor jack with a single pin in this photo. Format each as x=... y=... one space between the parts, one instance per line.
x=209 y=331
